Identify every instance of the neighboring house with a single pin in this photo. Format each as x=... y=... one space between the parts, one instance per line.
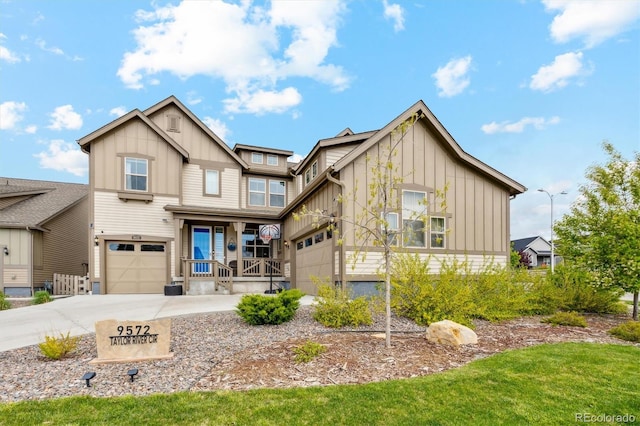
x=43 y=230
x=538 y=249
x=169 y=200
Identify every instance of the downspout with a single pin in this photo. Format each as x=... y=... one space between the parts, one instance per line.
x=341 y=264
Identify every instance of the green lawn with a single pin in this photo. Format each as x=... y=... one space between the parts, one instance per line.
x=541 y=385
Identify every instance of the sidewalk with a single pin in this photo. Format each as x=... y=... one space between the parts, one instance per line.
x=78 y=314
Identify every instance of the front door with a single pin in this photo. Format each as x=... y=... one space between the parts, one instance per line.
x=207 y=244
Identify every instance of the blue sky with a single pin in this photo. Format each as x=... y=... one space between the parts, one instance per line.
x=530 y=87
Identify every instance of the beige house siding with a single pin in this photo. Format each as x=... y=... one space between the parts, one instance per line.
x=334 y=154
x=135 y=139
x=17 y=265
x=193 y=187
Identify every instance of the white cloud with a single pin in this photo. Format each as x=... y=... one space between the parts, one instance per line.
x=218 y=127
x=31 y=129
x=262 y=101
x=43 y=45
x=538 y=123
x=65 y=157
x=452 y=78
x=193 y=98
x=593 y=21
x=295 y=158
x=559 y=72
x=118 y=111
x=11 y=114
x=7 y=55
x=394 y=12
x=238 y=43
x=64 y=117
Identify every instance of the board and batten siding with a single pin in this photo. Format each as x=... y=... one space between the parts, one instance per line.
x=193 y=185
x=477 y=208
x=135 y=139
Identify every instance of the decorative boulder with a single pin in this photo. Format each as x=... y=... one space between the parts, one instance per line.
x=451 y=333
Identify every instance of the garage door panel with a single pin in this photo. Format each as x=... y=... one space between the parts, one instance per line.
x=136 y=267
x=313 y=260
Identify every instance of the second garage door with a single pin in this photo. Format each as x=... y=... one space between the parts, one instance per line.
x=136 y=267
x=313 y=259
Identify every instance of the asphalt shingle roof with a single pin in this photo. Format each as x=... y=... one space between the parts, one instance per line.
x=37 y=201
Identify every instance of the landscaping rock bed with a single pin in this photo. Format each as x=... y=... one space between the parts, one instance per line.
x=219 y=351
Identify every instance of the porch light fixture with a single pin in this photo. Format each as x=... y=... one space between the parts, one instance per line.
x=96 y=240
x=6 y=251
x=286 y=244
x=88 y=376
x=132 y=373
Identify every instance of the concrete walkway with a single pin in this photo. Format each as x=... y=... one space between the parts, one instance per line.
x=78 y=314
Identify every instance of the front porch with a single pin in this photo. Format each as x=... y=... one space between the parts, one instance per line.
x=255 y=275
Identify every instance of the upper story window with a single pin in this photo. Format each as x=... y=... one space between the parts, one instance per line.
x=258 y=194
x=173 y=123
x=136 y=174
x=437 y=232
x=256 y=158
x=272 y=160
x=277 y=193
x=413 y=229
x=212 y=182
x=311 y=172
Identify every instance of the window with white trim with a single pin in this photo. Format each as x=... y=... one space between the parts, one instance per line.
x=257 y=192
x=136 y=174
x=314 y=169
x=413 y=232
x=277 y=193
x=437 y=232
x=393 y=228
x=256 y=158
x=272 y=160
x=212 y=182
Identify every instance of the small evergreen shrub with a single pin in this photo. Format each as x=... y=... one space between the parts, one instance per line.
x=58 y=347
x=41 y=297
x=629 y=331
x=335 y=308
x=308 y=351
x=571 y=319
x=4 y=303
x=258 y=309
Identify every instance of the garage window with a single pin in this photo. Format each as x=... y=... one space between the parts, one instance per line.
x=120 y=247
x=152 y=247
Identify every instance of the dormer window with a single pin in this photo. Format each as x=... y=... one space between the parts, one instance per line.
x=311 y=172
x=173 y=123
x=256 y=158
x=272 y=160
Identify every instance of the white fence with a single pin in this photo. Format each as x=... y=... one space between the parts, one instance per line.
x=70 y=284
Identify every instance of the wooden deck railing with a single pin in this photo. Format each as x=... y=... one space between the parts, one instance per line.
x=261 y=267
x=213 y=270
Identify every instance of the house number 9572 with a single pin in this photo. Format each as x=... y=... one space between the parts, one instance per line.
x=133 y=330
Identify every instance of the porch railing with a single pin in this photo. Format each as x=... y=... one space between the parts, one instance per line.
x=261 y=267
x=213 y=270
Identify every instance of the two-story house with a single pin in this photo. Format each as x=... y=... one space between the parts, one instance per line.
x=170 y=201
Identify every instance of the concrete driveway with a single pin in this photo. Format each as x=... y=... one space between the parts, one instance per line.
x=78 y=314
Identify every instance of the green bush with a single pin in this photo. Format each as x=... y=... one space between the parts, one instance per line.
x=258 y=309
x=572 y=319
x=629 y=331
x=308 y=351
x=58 y=347
x=4 y=303
x=579 y=293
x=41 y=297
x=336 y=308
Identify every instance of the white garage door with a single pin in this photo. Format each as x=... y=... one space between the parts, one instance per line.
x=313 y=259
x=136 y=267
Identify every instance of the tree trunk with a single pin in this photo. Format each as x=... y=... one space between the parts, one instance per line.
x=635 y=306
x=387 y=296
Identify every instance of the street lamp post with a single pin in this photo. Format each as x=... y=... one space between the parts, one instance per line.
x=553 y=260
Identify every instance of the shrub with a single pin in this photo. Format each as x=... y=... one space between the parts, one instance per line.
x=627 y=331
x=308 y=351
x=4 y=303
x=258 y=309
x=571 y=319
x=58 y=347
x=41 y=297
x=335 y=308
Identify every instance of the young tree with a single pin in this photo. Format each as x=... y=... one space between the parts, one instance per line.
x=602 y=231
x=373 y=226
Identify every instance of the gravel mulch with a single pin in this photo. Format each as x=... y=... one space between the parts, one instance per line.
x=219 y=351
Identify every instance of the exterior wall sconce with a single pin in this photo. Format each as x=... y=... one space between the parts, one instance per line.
x=96 y=240
x=286 y=244
x=6 y=251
